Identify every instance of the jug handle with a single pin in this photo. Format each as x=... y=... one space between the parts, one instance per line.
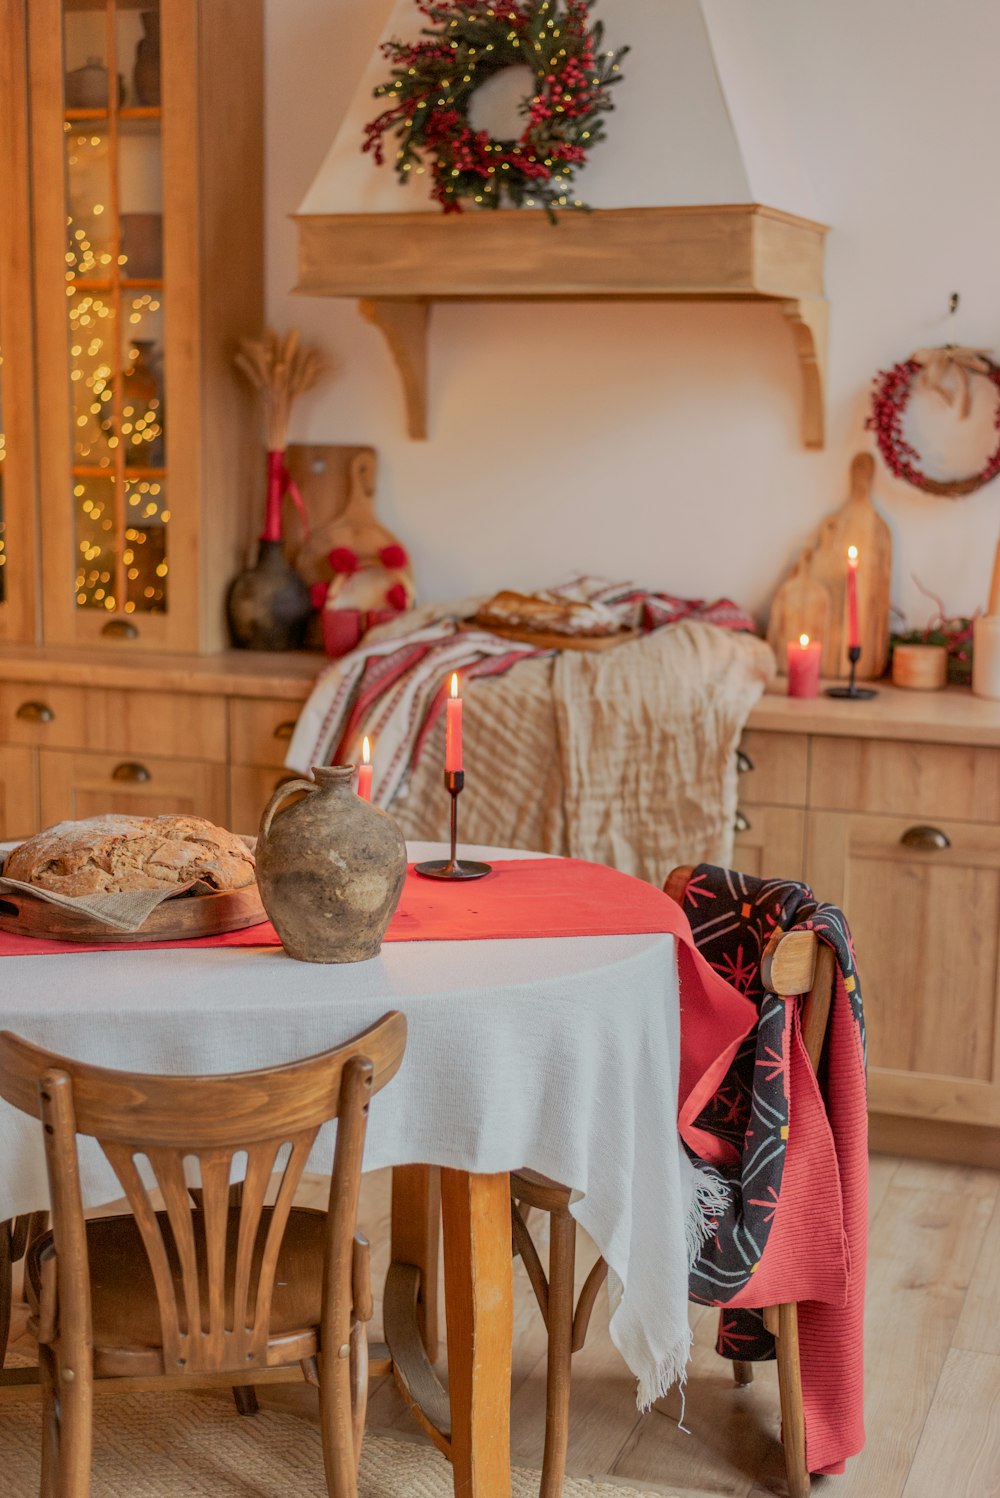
x=283 y=790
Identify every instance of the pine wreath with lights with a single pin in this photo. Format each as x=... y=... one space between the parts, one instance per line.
x=434 y=79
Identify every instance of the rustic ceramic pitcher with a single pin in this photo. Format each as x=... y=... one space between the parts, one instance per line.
x=330 y=868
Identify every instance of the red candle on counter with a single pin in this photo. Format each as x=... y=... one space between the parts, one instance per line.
x=453 y=729
x=365 y=771
x=803 y=666
x=853 y=633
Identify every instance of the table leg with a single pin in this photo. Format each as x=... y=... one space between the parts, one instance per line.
x=479 y=1313
x=416 y=1236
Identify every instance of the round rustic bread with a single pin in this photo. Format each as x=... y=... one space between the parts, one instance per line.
x=112 y=854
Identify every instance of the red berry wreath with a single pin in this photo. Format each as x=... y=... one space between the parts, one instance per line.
x=893 y=389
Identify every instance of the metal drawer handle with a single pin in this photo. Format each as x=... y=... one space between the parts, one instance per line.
x=742 y=823
x=130 y=770
x=929 y=838
x=119 y=629
x=285 y=730
x=35 y=712
x=743 y=762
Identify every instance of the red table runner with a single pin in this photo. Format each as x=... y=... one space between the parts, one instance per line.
x=523 y=897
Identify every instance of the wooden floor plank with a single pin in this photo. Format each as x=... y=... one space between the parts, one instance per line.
x=979 y=1326
x=881 y=1174
x=959 y=1451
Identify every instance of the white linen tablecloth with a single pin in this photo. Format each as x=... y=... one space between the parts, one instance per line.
x=556 y=1054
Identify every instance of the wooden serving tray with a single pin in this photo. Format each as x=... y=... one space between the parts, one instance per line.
x=544 y=640
x=181 y=919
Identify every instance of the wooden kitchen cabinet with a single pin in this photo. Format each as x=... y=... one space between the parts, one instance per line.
x=18 y=791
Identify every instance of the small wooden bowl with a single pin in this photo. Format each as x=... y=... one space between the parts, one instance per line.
x=924 y=668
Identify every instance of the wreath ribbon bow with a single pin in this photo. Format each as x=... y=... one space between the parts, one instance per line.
x=937 y=363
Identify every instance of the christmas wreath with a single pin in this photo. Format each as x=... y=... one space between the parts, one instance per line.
x=891 y=395
x=469 y=41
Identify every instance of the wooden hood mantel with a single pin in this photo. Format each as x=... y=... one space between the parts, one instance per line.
x=398 y=264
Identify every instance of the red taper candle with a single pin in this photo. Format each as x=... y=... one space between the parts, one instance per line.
x=453 y=729
x=365 y=771
x=853 y=633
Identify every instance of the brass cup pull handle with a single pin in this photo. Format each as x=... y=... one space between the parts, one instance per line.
x=285 y=730
x=35 y=712
x=742 y=823
x=119 y=629
x=931 y=839
x=743 y=762
x=131 y=771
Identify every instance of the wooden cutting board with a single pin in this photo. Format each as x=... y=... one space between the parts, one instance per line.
x=181 y=919
x=856 y=523
x=801 y=606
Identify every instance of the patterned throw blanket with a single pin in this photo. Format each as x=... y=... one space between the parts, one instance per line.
x=794 y=1156
x=394 y=689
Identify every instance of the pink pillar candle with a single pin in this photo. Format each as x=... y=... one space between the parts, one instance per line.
x=803 y=666
x=453 y=730
x=365 y=772
x=853 y=633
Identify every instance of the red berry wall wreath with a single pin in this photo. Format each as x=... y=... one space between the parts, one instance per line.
x=891 y=395
x=467 y=42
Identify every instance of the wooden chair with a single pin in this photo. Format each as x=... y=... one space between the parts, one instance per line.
x=794 y=963
x=15 y=1236
x=219 y=1288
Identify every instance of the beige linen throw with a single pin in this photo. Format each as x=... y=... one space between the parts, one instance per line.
x=624 y=756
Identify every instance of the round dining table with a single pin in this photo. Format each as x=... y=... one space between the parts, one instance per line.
x=560 y=1054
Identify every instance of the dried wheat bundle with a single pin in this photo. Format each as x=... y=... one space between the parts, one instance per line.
x=281 y=370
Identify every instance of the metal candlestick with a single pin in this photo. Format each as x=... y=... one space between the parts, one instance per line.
x=852 y=691
x=452 y=868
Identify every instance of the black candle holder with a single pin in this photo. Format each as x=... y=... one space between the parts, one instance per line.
x=452 y=868
x=852 y=692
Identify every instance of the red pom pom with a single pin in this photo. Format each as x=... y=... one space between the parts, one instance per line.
x=343 y=559
x=393 y=556
x=396 y=597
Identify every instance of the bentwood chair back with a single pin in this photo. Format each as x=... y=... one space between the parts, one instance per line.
x=222 y=1286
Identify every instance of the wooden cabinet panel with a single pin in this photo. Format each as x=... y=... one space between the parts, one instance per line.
x=250 y=789
x=926 y=925
x=76 y=785
x=774 y=768
x=772 y=846
x=132 y=722
x=260 y=729
x=909 y=779
x=18 y=792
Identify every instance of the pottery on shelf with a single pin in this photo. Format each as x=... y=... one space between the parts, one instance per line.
x=86 y=87
x=142 y=246
x=268 y=606
x=146 y=74
x=330 y=868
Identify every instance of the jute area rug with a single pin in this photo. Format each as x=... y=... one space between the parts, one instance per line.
x=190 y=1446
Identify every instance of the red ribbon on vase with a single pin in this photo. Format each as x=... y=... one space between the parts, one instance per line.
x=280 y=483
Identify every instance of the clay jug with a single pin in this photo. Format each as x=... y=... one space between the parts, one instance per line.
x=330 y=868
x=146 y=74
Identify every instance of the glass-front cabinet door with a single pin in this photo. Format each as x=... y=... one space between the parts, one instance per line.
x=18 y=492
x=117 y=228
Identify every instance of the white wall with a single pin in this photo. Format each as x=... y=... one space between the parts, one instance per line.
x=660 y=442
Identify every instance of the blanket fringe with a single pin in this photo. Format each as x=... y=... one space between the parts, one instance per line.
x=709 y=1200
x=661 y=1379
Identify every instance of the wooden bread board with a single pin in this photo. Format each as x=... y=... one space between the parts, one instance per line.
x=182 y=919
x=547 y=640
x=824 y=566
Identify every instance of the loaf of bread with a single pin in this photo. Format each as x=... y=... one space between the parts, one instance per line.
x=112 y=854
x=547 y=613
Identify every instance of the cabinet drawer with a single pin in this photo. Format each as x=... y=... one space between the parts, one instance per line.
x=773 y=768
x=18 y=792
x=923 y=781
x=260 y=729
x=76 y=785
x=99 y=718
x=771 y=842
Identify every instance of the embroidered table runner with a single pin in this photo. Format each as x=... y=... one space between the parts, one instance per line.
x=522 y=897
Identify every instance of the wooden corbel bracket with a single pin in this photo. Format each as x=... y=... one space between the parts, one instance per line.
x=404 y=326
x=809 y=320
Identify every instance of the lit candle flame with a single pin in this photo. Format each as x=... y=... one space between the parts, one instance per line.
x=366 y=752
x=803 y=641
x=852 y=555
x=454 y=683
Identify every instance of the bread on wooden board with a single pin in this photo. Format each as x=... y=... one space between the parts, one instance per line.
x=113 y=854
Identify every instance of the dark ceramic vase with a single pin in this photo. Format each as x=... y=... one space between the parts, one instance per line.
x=146 y=75
x=330 y=868
x=268 y=606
